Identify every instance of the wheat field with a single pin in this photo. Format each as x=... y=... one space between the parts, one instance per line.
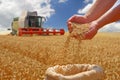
x=27 y=58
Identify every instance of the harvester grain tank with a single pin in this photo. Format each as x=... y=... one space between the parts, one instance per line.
x=31 y=23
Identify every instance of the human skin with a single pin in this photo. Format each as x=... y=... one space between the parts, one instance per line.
x=97 y=9
x=109 y=17
x=97 y=17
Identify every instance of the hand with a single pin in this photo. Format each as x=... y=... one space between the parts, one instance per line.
x=87 y=34
x=76 y=19
x=93 y=29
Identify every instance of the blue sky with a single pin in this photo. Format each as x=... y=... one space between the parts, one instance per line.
x=63 y=11
x=66 y=8
x=56 y=11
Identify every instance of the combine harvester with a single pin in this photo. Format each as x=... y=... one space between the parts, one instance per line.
x=30 y=23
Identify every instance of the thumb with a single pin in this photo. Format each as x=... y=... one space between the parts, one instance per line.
x=70 y=28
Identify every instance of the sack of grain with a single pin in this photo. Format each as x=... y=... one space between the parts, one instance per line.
x=75 y=72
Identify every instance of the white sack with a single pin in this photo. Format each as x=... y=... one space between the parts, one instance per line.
x=75 y=72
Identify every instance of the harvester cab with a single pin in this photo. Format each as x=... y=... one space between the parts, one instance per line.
x=35 y=21
x=31 y=23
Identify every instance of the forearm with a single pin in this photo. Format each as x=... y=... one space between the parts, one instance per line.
x=111 y=16
x=98 y=9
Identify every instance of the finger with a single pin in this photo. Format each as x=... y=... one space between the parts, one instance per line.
x=69 y=27
x=77 y=19
x=87 y=36
x=90 y=34
x=71 y=19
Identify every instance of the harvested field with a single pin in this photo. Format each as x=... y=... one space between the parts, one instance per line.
x=27 y=58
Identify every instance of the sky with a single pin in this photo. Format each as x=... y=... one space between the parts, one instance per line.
x=57 y=12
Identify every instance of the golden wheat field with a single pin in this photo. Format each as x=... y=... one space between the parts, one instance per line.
x=27 y=58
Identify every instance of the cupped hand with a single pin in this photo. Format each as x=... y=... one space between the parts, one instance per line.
x=93 y=29
x=76 y=19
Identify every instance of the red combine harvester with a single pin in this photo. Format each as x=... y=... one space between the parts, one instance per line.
x=30 y=23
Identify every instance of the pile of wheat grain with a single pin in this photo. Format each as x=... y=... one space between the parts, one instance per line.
x=79 y=30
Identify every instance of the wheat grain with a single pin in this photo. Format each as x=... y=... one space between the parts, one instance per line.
x=78 y=32
x=29 y=57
